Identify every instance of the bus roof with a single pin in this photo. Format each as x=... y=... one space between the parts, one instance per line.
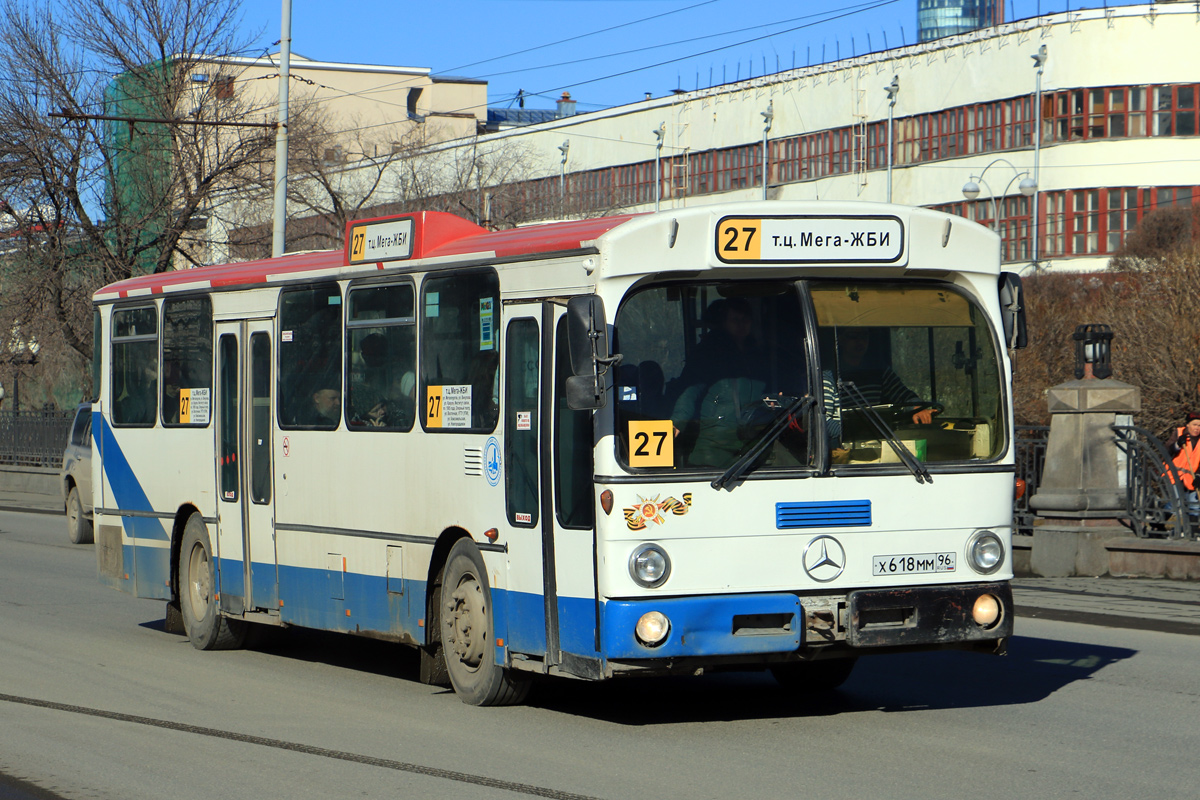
x=441 y=236
x=810 y=234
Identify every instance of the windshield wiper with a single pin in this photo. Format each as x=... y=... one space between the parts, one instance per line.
x=849 y=390
x=797 y=405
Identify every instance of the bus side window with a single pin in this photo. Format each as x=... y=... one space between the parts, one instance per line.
x=460 y=352
x=572 y=447
x=134 y=380
x=187 y=361
x=310 y=357
x=381 y=358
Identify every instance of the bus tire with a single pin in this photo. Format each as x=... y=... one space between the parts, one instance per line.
x=202 y=620
x=814 y=677
x=467 y=633
x=79 y=527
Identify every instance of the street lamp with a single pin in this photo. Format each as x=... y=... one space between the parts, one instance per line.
x=1039 y=62
x=892 y=90
x=768 y=117
x=21 y=352
x=1027 y=187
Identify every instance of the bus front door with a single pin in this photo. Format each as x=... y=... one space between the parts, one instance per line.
x=548 y=496
x=245 y=479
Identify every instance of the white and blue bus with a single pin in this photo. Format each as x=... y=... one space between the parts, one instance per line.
x=788 y=443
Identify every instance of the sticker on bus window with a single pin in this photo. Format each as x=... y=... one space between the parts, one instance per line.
x=194 y=405
x=524 y=420
x=487 y=339
x=651 y=443
x=448 y=406
x=285 y=336
x=431 y=304
x=523 y=519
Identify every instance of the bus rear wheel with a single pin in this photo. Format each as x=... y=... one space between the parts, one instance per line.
x=467 y=633
x=202 y=620
x=813 y=677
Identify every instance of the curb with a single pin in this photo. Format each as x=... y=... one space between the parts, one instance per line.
x=1148 y=623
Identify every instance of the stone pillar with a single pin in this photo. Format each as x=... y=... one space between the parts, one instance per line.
x=1082 y=490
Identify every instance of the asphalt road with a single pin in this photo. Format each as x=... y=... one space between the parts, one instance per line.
x=97 y=701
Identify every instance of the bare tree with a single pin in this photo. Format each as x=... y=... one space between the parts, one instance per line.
x=339 y=170
x=485 y=181
x=91 y=200
x=389 y=173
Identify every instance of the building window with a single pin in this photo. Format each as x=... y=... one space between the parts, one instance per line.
x=1054 y=224
x=223 y=87
x=1086 y=222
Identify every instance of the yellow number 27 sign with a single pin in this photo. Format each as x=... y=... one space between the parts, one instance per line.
x=651 y=443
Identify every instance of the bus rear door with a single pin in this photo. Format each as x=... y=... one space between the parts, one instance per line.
x=245 y=478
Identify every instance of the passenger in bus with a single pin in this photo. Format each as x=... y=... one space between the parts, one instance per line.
x=725 y=381
x=172 y=384
x=324 y=410
x=485 y=388
x=396 y=408
x=135 y=403
x=369 y=380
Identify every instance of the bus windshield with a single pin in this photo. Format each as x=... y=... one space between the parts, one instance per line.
x=709 y=367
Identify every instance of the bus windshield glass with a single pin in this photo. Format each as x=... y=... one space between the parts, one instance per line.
x=709 y=367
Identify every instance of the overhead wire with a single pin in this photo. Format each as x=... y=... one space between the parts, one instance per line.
x=852 y=10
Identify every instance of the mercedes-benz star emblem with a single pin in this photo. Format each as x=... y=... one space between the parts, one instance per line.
x=824 y=559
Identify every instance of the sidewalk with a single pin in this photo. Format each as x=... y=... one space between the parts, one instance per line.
x=30 y=502
x=1154 y=604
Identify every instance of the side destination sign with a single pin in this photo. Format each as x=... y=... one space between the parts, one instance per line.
x=862 y=239
x=386 y=240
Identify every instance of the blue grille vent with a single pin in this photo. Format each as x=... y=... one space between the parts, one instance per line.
x=833 y=514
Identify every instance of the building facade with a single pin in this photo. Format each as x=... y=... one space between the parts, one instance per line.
x=1107 y=134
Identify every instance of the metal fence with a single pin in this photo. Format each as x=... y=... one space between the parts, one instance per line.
x=34 y=438
x=1156 y=499
x=1031 y=457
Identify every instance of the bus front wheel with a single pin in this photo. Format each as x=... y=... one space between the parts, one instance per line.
x=813 y=677
x=467 y=632
x=202 y=620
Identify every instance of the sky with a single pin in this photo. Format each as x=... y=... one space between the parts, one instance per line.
x=604 y=52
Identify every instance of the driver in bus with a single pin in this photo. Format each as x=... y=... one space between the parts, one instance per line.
x=858 y=363
x=724 y=380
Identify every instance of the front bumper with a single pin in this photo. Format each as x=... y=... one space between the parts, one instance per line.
x=779 y=623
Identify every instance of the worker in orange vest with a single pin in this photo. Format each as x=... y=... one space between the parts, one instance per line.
x=1184 y=449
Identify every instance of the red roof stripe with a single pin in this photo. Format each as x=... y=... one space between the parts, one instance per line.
x=447 y=236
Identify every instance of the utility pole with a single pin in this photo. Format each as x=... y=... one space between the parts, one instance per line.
x=281 y=133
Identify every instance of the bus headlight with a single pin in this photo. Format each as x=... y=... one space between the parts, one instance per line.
x=652 y=628
x=649 y=566
x=986 y=611
x=985 y=552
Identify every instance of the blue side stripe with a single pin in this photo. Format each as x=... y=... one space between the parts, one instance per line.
x=127 y=491
x=823 y=514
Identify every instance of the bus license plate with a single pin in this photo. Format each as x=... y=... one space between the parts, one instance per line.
x=913 y=564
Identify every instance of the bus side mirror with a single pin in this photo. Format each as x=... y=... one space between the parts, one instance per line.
x=587 y=343
x=1012 y=310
